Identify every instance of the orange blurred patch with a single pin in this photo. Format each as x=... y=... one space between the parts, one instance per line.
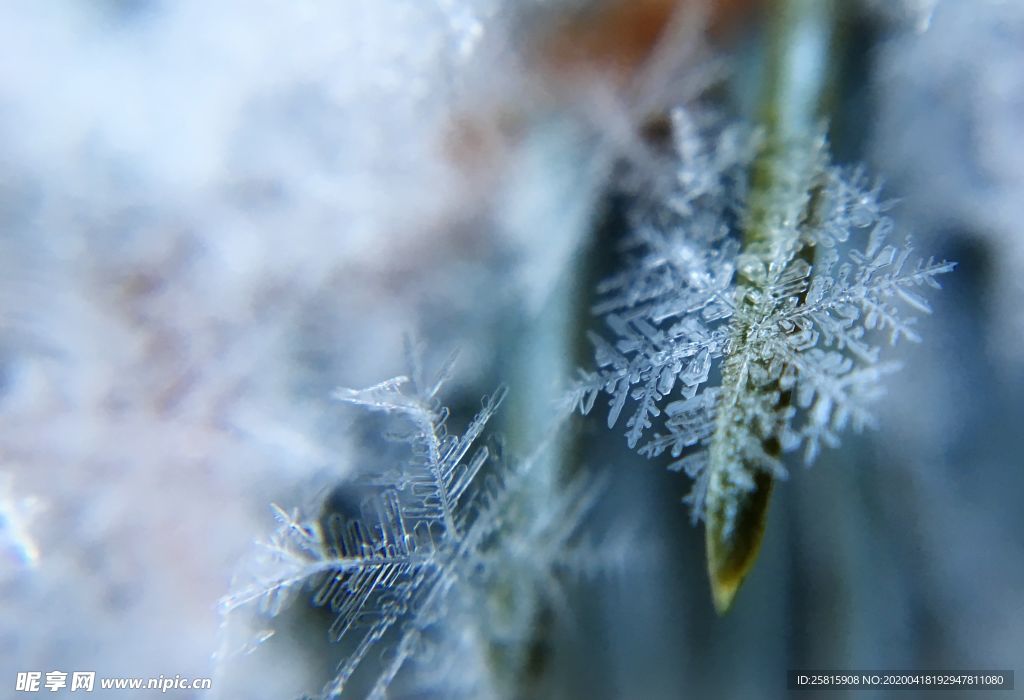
x=617 y=37
x=609 y=41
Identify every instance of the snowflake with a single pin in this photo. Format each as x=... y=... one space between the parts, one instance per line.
x=428 y=570
x=741 y=352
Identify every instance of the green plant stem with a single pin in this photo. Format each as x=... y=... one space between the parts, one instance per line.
x=795 y=91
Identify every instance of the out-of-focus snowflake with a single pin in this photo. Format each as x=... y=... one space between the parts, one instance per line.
x=16 y=516
x=950 y=136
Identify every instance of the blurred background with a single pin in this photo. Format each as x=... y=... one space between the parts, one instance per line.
x=212 y=214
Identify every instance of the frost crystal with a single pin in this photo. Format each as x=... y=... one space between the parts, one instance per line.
x=427 y=571
x=740 y=354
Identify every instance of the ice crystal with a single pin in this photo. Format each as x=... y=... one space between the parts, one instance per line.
x=758 y=349
x=426 y=571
